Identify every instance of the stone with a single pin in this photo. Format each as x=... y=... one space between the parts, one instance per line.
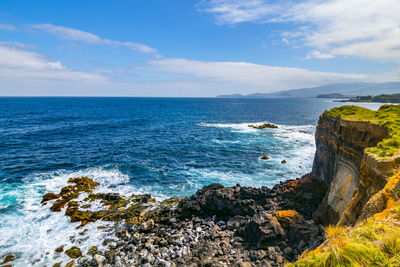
x=147 y=226
x=74 y=252
x=264 y=158
x=288 y=253
x=49 y=196
x=8 y=258
x=93 y=250
x=99 y=259
x=261 y=254
x=265 y=263
x=59 y=249
x=263 y=126
x=283 y=161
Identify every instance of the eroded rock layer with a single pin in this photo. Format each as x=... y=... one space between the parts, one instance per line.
x=352 y=174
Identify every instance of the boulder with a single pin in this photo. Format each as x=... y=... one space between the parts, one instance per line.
x=74 y=252
x=147 y=226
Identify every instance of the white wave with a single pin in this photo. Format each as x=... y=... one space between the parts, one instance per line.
x=236 y=127
x=33 y=231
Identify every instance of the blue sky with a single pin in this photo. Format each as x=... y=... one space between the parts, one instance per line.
x=194 y=48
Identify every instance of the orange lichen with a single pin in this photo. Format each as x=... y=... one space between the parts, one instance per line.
x=288 y=216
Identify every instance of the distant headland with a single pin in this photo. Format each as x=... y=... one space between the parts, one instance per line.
x=344 y=89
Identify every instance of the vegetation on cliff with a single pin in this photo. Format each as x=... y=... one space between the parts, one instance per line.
x=375 y=239
x=387 y=116
x=373 y=242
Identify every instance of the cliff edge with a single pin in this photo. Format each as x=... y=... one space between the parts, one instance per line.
x=357 y=157
x=357 y=153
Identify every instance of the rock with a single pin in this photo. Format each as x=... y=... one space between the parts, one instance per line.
x=70 y=264
x=147 y=226
x=57 y=264
x=92 y=251
x=74 y=252
x=8 y=258
x=263 y=126
x=264 y=158
x=265 y=263
x=245 y=264
x=288 y=253
x=283 y=161
x=263 y=230
x=301 y=245
x=49 y=196
x=288 y=217
x=261 y=254
x=59 y=249
x=99 y=259
x=59 y=204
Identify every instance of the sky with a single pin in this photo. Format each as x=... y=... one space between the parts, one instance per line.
x=194 y=48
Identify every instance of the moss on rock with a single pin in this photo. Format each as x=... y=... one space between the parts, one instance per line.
x=387 y=116
x=74 y=252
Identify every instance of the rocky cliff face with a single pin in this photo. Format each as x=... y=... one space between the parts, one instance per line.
x=352 y=174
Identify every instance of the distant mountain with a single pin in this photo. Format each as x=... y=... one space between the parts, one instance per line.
x=348 y=89
x=333 y=95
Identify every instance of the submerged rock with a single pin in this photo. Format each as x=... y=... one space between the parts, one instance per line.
x=264 y=158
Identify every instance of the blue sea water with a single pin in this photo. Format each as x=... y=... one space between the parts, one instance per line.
x=168 y=147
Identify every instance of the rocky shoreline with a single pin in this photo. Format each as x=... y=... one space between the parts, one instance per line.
x=218 y=226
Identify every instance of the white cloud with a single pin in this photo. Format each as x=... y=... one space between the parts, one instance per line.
x=75 y=35
x=16 y=44
x=237 y=11
x=25 y=72
x=318 y=55
x=8 y=27
x=24 y=66
x=362 y=28
x=251 y=77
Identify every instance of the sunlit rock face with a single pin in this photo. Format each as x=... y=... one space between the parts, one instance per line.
x=351 y=175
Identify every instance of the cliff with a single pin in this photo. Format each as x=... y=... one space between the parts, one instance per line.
x=358 y=157
x=352 y=160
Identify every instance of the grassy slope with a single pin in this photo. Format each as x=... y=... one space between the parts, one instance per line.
x=387 y=116
x=375 y=241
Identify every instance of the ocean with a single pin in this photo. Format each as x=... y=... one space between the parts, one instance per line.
x=167 y=147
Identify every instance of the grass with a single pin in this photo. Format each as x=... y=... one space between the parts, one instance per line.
x=373 y=242
x=387 y=116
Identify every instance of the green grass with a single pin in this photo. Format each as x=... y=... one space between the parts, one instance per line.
x=374 y=242
x=387 y=116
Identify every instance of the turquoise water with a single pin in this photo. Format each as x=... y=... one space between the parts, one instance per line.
x=167 y=147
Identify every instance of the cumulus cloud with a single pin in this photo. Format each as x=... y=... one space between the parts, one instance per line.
x=362 y=28
x=75 y=35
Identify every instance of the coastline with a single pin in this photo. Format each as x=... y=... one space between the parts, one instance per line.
x=218 y=226
x=353 y=181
